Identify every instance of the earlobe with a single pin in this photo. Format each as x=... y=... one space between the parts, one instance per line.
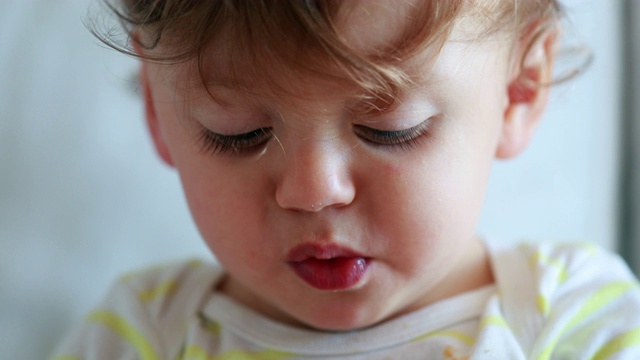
x=527 y=95
x=152 y=119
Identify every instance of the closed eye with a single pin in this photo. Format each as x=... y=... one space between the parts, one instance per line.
x=238 y=144
x=403 y=139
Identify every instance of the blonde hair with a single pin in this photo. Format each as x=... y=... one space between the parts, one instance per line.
x=300 y=36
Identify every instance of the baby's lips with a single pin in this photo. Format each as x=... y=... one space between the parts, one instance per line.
x=321 y=252
x=328 y=266
x=331 y=274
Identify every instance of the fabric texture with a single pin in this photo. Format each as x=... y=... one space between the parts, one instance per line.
x=548 y=302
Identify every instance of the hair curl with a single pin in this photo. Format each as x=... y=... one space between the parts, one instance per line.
x=300 y=36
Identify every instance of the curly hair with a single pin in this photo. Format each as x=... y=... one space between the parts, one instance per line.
x=259 y=38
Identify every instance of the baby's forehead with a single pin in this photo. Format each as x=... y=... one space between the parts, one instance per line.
x=362 y=42
x=278 y=83
x=432 y=78
x=369 y=26
x=368 y=49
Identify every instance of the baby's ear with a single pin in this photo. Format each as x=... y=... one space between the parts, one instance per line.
x=528 y=92
x=153 y=124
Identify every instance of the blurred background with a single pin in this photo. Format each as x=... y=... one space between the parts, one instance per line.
x=83 y=197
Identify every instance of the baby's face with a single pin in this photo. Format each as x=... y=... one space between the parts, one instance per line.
x=334 y=220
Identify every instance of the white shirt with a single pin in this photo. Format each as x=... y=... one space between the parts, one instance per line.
x=548 y=302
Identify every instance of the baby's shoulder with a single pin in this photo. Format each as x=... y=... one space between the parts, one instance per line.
x=569 y=266
x=583 y=298
x=144 y=313
x=167 y=278
x=163 y=289
x=565 y=274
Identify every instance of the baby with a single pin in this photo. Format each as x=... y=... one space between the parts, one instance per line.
x=335 y=157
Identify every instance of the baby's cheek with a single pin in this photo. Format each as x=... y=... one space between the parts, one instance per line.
x=392 y=170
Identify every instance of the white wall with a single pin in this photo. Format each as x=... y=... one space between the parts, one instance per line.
x=83 y=197
x=564 y=186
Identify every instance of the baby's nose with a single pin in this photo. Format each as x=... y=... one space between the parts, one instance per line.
x=313 y=178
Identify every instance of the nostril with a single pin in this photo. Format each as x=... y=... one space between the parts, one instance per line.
x=312 y=198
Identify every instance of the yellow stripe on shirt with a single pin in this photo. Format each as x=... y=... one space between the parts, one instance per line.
x=493 y=320
x=120 y=326
x=543 y=304
x=194 y=352
x=596 y=301
x=545 y=260
x=164 y=288
x=623 y=341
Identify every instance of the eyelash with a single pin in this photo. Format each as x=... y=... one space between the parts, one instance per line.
x=402 y=139
x=236 y=144
x=248 y=142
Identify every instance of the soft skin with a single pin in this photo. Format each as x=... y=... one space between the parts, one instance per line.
x=411 y=211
